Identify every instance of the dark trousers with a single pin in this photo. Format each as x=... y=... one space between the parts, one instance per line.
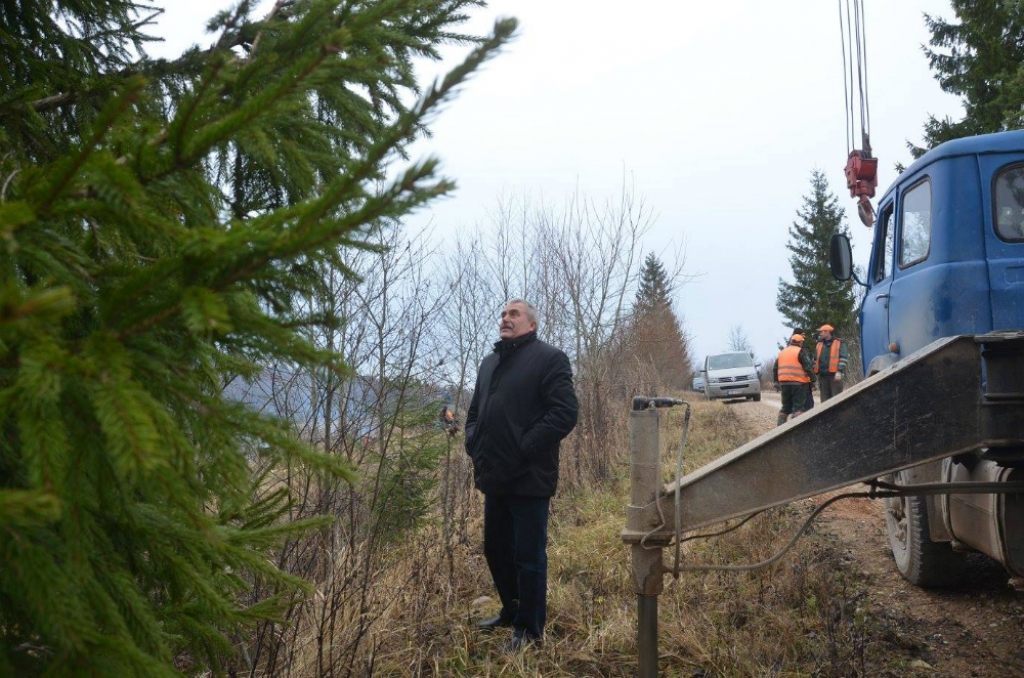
x=515 y=545
x=829 y=386
x=794 y=397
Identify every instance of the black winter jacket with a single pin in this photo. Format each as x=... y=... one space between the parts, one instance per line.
x=522 y=407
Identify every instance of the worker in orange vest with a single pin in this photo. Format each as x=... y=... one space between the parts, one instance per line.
x=794 y=371
x=830 y=362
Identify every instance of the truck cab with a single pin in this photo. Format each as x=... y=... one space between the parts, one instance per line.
x=948 y=251
x=947 y=259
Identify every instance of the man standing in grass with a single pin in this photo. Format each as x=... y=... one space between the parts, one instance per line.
x=522 y=407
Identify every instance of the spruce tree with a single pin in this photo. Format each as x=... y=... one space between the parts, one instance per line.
x=657 y=337
x=655 y=289
x=161 y=221
x=979 y=58
x=815 y=298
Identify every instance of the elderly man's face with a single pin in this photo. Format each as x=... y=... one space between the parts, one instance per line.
x=824 y=335
x=514 y=322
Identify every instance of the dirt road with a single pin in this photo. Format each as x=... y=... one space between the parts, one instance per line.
x=976 y=629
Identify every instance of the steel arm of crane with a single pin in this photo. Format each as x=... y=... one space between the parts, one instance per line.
x=923 y=408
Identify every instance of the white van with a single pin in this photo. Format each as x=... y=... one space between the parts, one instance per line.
x=731 y=375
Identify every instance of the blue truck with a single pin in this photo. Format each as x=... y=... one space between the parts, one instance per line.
x=948 y=259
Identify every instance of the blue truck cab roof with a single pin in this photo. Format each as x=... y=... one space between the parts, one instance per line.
x=983 y=144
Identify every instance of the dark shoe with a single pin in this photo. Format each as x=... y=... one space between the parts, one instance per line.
x=493 y=623
x=520 y=641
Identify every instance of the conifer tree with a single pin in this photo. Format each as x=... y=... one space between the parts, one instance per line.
x=815 y=298
x=655 y=289
x=160 y=221
x=657 y=336
x=980 y=58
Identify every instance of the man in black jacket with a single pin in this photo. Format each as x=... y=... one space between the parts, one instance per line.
x=522 y=407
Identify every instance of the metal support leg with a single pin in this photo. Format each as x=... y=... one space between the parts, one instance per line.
x=645 y=533
x=647 y=635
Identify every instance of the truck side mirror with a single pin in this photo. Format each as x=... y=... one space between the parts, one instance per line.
x=840 y=257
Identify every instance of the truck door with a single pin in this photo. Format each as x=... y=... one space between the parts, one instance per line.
x=921 y=297
x=1004 y=239
x=875 y=307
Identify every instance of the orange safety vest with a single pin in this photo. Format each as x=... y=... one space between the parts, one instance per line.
x=790 y=369
x=833 y=356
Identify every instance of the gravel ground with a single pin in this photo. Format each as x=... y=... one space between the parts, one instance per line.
x=759 y=416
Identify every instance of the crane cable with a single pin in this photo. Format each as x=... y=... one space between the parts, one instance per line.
x=846 y=85
x=861 y=166
x=862 y=60
x=878 y=489
x=853 y=41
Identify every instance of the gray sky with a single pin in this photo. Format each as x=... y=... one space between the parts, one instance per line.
x=715 y=112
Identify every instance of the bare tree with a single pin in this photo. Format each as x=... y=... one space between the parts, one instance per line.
x=578 y=264
x=467 y=326
x=738 y=340
x=377 y=417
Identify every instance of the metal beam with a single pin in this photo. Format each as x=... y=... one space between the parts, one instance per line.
x=886 y=423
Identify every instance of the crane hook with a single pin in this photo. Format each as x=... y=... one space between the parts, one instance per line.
x=862 y=178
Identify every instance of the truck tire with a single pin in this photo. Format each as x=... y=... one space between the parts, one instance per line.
x=757 y=398
x=921 y=561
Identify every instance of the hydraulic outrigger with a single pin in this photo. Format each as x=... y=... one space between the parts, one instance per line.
x=931 y=405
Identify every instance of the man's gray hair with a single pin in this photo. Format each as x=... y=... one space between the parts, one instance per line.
x=531 y=312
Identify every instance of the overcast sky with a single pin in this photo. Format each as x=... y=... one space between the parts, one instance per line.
x=715 y=112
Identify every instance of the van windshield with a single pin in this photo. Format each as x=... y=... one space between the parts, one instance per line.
x=728 y=361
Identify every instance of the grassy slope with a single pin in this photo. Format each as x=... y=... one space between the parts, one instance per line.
x=801 y=617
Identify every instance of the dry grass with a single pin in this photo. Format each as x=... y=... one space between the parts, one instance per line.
x=802 y=617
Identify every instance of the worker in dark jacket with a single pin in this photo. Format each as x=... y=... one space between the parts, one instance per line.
x=522 y=407
x=809 y=398
x=830 y=362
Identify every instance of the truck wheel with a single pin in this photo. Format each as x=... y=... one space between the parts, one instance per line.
x=920 y=560
x=757 y=398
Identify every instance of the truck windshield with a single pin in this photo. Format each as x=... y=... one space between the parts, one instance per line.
x=729 y=360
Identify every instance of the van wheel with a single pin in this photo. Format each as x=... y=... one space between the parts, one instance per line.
x=757 y=398
x=920 y=560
